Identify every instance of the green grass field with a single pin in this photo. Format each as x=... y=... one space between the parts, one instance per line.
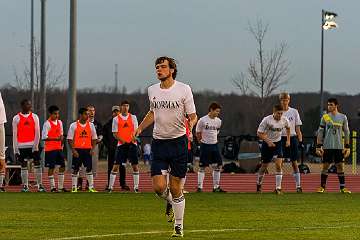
x=207 y=216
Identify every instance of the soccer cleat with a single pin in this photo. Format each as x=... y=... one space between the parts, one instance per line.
x=258 y=188
x=63 y=190
x=25 y=189
x=169 y=212
x=92 y=190
x=199 y=190
x=74 y=189
x=320 y=190
x=2 y=189
x=53 y=190
x=345 y=190
x=178 y=232
x=299 y=190
x=218 y=190
x=41 y=189
x=278 y=191
x=136 y=190
x=125 y=188
x=109 y=190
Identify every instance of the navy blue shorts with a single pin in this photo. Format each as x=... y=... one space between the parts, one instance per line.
x=127 y=151
x=291 y=152
x=84 y=158
x=28 y=154
x=209 y=154
x=169 y=154
x=269 y=153
x=54 y=158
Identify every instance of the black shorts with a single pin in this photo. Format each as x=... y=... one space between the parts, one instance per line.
x=127 y=151
x=333 y=155
x=291 y=152
x=190 y=156
x=169 y=155
x=54 y=158
x=209 y=154
x=269 y=153
x=84 y=158
x=28 y=154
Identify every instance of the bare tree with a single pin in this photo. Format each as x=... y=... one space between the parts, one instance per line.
x=54 y=77
x=267 y=71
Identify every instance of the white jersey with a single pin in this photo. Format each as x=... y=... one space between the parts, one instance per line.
x=33 y=144
x=47 y=126
x=169 y=107
x=115 y=123
x=209 y=129
x=72 y=128
x=294 y=119
x=2 y=111
x=273 y=128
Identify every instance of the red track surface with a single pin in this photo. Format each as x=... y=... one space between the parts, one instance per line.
x=229 y=182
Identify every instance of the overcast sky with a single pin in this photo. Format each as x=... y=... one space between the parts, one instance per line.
x=208 y=39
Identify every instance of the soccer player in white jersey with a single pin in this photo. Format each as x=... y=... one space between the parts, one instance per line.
x=170 y=101
x=207 y=130
x=296 y=139
x=269 y=132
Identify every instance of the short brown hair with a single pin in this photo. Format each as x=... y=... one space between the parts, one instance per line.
x=171 y=61
x=124 y=102
x=277 y=107
x=214 y=106
x=284 y=95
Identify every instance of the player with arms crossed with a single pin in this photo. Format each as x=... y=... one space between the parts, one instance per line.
x=207 y=130
x=296 y=139
x=269 y=132
x=170 y=101
x=333 y=125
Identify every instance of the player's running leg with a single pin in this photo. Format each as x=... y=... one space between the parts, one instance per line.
x=260 y=177
x=278 y=175
x=201 y=177
x=296 y=175
x=178 y=204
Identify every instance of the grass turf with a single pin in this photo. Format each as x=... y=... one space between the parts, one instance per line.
x=246 y=216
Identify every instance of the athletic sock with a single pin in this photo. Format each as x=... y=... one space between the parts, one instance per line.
x=260 y=178
x=278 y=178
x=323 y=179
x=25 y=176
x=112 y=180
x=216 y=178
x=90 y=179
x=201 y=176
x=61 y=178
x=38 y=175
x=52 y=181
x=2 y=177
x=74 y=180
x=166 y=195
x=341 y=177
x=178 y=205
x=297 y=179
x=136 y=177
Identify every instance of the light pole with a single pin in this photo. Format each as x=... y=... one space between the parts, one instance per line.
x=42 y=109
x=32 y=52
x=327 y=22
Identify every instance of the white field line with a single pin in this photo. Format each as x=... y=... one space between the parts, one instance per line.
x=202 y=230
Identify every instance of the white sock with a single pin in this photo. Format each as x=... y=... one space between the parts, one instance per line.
x=201 y=176
x=61 y=178
x=182 y=182
x=74 y=180
x=25 y=176
x=90 y=178
x=136 y=177
x=216 y=178
x=38 y=175
x=260 y=178
x=297 y=179
x=178 y=205
x=2 y=177
x=52 y=181
x=278 y=178
x=112 y=180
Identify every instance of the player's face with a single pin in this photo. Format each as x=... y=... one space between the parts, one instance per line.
x=285 y=102
x=55 y=115
x=84 y=116
x=91 y=111
x=215 y=113
x=26 y=107
x=125 y=108
x=331 y=107
x=277 y=115
x=115 y=113
x=163 y=71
